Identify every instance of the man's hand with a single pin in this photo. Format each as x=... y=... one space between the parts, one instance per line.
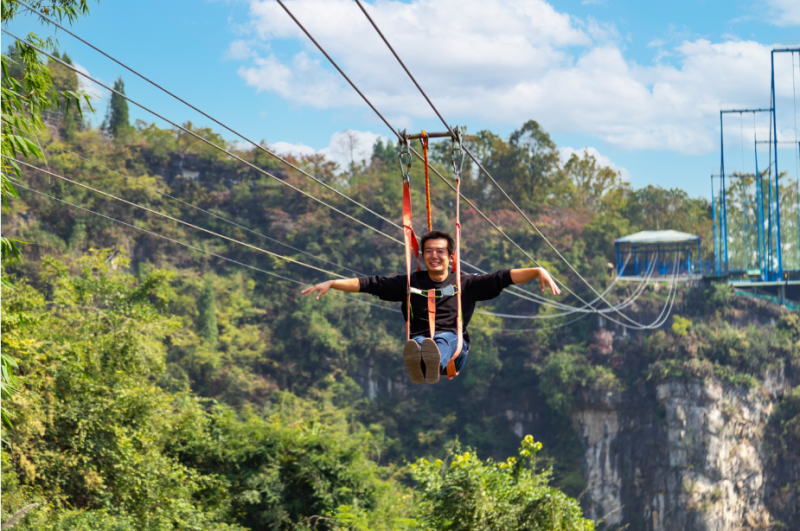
x=321 y=289
x=545 y=280
x=520 y=276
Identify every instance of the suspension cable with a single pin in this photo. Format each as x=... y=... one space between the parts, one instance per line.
x=190 y=205
x=660 y=320
x=497 y=185
x=413 y=151
x=196 y=227
x=251 y=142
x=242 y=264
x=195 y=135
x=469 y=153
x=572 y=309
x=538 y=298
x=190 y=246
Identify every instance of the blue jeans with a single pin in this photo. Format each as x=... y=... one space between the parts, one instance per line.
x=447 y=343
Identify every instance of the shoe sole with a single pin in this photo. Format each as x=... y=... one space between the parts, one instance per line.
x=412 y=357
x=432 y=359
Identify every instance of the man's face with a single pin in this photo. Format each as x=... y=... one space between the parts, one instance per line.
x=435 y=256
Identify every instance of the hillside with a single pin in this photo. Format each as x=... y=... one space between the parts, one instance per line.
x=167 y=387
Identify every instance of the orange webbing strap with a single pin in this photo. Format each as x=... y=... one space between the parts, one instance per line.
x=424 y=141
x=411 y=246
x=411 y=236
x=432 y=311
x=451 y=366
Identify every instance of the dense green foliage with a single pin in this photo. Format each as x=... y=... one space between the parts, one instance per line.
x=171 y=388
x=471 y=494
x=29 y=89
x=101 y=445
x=244 y=336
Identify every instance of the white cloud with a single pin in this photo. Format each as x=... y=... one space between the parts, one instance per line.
x=95 y=91
x=342 y=146
x=566 y=152
x=526 y=60
x=286 y=148
x=784 y=12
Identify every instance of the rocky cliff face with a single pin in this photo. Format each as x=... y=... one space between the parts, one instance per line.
x=679 y=455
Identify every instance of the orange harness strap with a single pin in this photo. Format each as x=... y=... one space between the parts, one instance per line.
x=424 y=141
x=432 y=311
x=451 y=366
x=412 y=246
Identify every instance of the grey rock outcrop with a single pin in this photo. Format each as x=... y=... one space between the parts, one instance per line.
x=680 y=455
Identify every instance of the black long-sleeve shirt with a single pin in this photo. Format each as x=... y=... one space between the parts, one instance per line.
x=474 y=288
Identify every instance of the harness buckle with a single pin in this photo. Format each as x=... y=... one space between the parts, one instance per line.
x=405 y=168
x=448 y=290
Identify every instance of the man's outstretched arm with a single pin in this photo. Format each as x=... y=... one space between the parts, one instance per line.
x=347 y=284
x=519 y=276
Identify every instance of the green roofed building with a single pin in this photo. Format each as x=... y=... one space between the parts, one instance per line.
x=658 y=253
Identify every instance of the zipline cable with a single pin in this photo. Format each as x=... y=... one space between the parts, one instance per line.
x=538 y=298
x=242 y=264
x=190 y=246
x=656 y=324
x=254 y=144
x=195 y=135
x=571 y=310
x=625 y=303
x=636 y=324
x=196 y=227
x=419 y=157
x=200 y=209
x=497 y=185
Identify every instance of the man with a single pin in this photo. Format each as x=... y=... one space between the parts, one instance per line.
x=425 y=358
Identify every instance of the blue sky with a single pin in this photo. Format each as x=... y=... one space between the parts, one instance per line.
x=639 y=83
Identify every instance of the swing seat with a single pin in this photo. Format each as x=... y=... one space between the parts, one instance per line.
x=412 y=250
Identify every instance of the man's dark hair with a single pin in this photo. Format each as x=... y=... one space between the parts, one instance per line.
x=438 y=235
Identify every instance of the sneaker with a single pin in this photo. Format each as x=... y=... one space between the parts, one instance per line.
x=432 y=359
x=413 y=360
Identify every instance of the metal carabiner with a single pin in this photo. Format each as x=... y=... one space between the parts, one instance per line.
x=457 y=149
x=405 y=169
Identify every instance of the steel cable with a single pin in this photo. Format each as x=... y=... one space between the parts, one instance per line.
x=636 y=324
x=496 y=184
x=196 y=227
x=251 y=142
x=190 y=246
x=195 y=135
x=538 y=298
x=200 y=209
x=259 y=146
x=419 y=157
x=623 y=304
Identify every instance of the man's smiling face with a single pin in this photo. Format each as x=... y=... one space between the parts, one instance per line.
x=435 y=255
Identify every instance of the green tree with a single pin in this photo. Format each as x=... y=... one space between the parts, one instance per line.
x=207 y=315
x=469 y=494
x=65 y=80
x=117 y=123
x=25 y=96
